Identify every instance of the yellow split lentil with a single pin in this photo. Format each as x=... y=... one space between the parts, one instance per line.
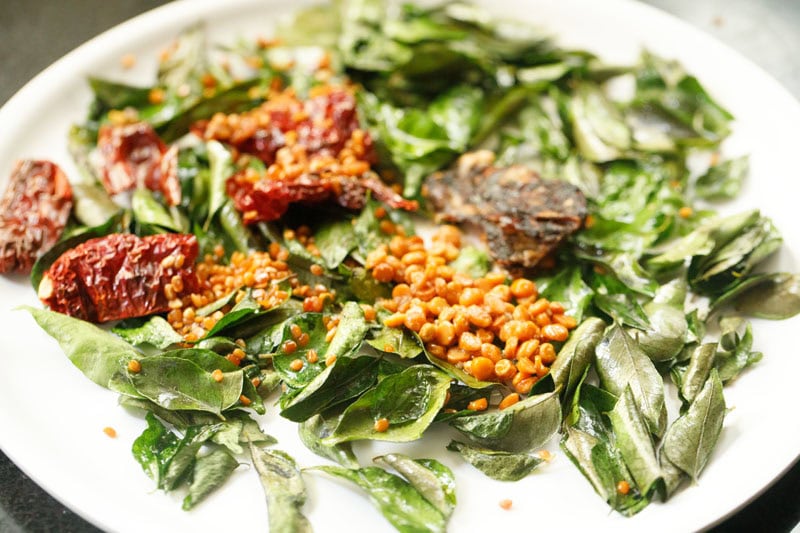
x=492 y=330
x=260 y=272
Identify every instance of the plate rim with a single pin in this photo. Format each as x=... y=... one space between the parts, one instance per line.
x=206 y=8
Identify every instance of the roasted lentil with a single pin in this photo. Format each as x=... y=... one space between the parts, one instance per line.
x=259 y=271
x=494 y=331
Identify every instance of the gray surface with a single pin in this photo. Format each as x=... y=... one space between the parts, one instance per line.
x=34 y=33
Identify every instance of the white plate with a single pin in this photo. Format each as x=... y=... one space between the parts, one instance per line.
x=52 y=416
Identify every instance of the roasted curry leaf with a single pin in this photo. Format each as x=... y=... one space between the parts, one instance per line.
x=690 y=440
x=524 y=426
x=502 y=466
x=621 y=363
x=284 y=488
x=402 y=505
x=409 y=400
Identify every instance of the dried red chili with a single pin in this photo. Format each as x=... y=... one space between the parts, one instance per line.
x=322 y=124
x=315 y=152
x=121 y=276
x=134 y=156
x=266 y=199
x=33 y=212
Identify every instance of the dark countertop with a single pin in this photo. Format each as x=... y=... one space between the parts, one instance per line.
x=36 y=33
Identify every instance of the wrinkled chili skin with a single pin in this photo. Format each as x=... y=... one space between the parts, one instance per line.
x=267 y=200
x=134 y=156
x=314 y=149
x=322 y=124
x=33 y=213
x=118 y=276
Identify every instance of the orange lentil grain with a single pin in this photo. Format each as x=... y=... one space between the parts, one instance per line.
x=522 y=288
x=506 y=504
x=482 y=368
x=245 y=400
x=555 y=332
x=289 y=347
x=134 y=366
x=547 y=353
x=395 y=320
x=478 y=405
x=111 y=432
x=505 y=369
x=509 y=400
x=303 y=340
x=128 y=61
x=312 y=356
x=381 y=425
x=369 y=312
x=545 y=455
x=525 y=385
x=296 y=365
x=492 y=330
x=217 y=375
x=156 y=96
x=331 y=334
x=623 y=487
x=566 y=321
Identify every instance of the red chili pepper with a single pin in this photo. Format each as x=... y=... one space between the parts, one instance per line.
x=322 y=124
x=33 y=212
x=315 y=150
x=267 y=199
x=121 y=276
x=134 y=156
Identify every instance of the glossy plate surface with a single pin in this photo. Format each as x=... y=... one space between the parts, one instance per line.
x=52 y=416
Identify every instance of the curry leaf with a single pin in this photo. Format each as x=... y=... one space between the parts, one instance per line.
x=598 y=127
x=690 y=440
x=164 y=456
x=735 y=352
x=697 y=371
x=623 y=308
x=99 y=354
x=472 y=261
x=523 y=426
x=349 y=332
x=155 y=331
x=432 y=479
x=773 y=296
x=622 y=363
x=402 y=505
x=723 y=181
x=502 y=466
x=666 y=335
x=568 y=287
x=177 y=383
x=409 y=400
x=335 y=240
x=399 y=341
x=345 y=379
x=148 y=211
x=601 y=464
x=315 y=429
x=575 y=356
x=284 y=489
x=209 y=473
x=635 y=443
